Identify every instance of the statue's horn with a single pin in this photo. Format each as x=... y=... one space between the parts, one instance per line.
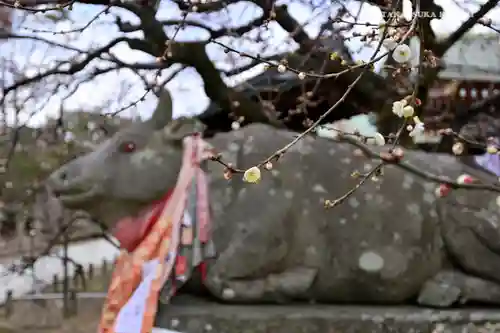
x=163 y=112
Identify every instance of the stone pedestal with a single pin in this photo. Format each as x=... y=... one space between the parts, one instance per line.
x=200 y=317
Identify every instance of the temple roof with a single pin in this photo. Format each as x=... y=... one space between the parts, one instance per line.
x=476 y=57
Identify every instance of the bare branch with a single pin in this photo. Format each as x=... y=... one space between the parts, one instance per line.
x=207 y=7
x=73 y=68
x=443 y=46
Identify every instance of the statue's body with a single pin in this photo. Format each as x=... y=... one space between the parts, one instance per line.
x=392 y=241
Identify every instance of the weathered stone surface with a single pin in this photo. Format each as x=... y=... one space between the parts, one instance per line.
x=6 y=328
x=390 y=242
x=200 y=317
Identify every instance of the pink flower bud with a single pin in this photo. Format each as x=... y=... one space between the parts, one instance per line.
x=465 y=179
x=442 y=190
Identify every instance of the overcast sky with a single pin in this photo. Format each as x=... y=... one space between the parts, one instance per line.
x=187 y=88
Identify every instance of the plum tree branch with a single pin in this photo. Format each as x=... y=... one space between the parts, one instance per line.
x=9 y=35
x=288 y=23
x=372 y=87
x=207 y=7
x=73 y=67
x=372 y=91
x=214 y=33
x=194 y=54
x=440 y=49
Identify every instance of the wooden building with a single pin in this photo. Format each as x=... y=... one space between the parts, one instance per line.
x=472 y=67
x=470 y=74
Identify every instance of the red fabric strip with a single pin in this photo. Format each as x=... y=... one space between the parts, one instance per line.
x=131 y=231
x=203 y=270
x=181 y=265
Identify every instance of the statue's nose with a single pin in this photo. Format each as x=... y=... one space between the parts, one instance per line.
x=62 y=175
x=67 y=178
x=60 y=178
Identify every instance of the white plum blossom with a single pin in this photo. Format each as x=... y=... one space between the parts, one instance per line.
x=252 y=175
x=398 y=106
x=418 y=128
x=402 y=53
x=408 y=111
x=389 y=43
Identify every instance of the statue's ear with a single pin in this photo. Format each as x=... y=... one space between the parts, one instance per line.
x=181 y=127
x=163 y=112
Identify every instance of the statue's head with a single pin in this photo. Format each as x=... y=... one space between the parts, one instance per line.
x=130 y=170
x=477 y=124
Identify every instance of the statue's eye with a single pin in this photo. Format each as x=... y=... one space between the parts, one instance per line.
x=127 y=147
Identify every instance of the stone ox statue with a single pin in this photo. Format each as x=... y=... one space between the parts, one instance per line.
x=392 y=241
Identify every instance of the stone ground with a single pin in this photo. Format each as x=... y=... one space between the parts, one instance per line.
x=192 y=315
x=197 y=317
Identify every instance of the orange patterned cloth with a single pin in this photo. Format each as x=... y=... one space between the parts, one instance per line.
x=161 y=234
